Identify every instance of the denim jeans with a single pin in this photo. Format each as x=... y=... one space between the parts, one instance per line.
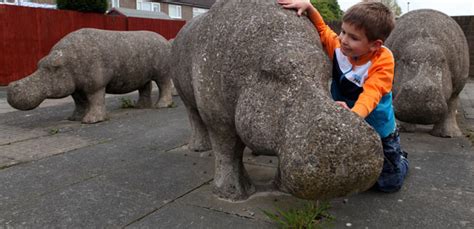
x=395 y=165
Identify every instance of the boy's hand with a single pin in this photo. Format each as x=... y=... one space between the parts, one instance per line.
x=299 y=5
x=343 y=104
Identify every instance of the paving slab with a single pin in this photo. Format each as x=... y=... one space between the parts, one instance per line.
x=134 y=170
x=89 y=204
x=188 y=216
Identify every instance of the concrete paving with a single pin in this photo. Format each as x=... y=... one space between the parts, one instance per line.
x=134 y=171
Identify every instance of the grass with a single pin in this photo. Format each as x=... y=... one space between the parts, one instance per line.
x=172 y=105
x=312 y=215
x=126 y=102
x=53 y=131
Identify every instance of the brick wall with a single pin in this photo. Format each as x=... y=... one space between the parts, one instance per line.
x=128 y=4
x=467 y=25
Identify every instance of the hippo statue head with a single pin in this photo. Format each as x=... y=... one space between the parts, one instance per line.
x=422 y=84
x=50 y=80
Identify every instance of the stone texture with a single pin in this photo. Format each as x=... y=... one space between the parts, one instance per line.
x=88 y=63
x=188 y=216
x=432 y=65
x=38 y=148
x=253 y=74
x=89 y=204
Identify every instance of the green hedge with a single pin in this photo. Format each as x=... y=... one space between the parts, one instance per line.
x=97 y=6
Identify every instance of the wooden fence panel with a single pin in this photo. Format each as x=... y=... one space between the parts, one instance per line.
x=159 y=26
x=28 y=34
x=19 y=50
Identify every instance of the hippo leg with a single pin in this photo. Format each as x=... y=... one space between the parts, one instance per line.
x=231 y=181
x=144 y=96
x=95 y=111
x=165 y=87
x=448 y=126
x=407 y=127
x=199 y=137
x=173 y=90
x=80 y=100
x=277 y=182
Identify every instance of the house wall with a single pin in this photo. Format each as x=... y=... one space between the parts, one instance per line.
x=53 y=2
x=467 y=25
x=187 y=12
x=164 y=8
x=131 y=4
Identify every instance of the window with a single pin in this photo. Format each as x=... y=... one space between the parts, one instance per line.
x=148 y=6
x=116 y=3
x=198 y=11
x=12 y=2
x=139 y=4
x=174 y=11
x=155 y=7
x=145 y=6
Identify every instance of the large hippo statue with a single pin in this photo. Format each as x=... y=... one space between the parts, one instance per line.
x=253 y=74
x=431 y=68
x=88 y=63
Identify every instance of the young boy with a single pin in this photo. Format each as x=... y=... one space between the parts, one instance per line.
x=363 y=75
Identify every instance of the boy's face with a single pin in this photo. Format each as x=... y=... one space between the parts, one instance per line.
x=354 y=42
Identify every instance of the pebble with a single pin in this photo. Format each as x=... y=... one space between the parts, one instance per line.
x=349 y=224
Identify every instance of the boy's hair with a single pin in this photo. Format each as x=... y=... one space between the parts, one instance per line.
x=374 y=18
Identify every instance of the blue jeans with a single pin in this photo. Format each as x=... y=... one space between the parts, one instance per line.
x=395 y=165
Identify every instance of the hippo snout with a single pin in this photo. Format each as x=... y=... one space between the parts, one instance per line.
x=348 y=165
x=21 y=96
x=422 y=103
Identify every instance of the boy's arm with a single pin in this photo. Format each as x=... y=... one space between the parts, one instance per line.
x=329 y=38
x=377 y=84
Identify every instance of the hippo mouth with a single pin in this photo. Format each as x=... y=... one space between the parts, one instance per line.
x=421 y=108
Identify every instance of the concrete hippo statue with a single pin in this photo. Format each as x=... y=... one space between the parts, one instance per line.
x=253 y=74
x=431 y=68
x=88 y=63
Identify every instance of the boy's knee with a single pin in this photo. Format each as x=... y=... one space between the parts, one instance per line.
x=392 y=179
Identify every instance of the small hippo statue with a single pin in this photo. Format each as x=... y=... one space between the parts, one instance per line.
x=431 y=68
x=251 y=73
x=88 y=63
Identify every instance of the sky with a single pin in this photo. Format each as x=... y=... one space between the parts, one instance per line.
x=449 y=7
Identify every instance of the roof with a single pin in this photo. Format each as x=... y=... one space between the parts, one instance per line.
x=138 y=13
x=206 y=4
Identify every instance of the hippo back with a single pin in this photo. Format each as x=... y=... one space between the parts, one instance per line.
x=124 y=60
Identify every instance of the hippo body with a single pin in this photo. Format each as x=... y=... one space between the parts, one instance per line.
x=431 y=68
x=253 y=74
x=88 y=63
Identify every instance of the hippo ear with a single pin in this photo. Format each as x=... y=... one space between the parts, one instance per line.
x=57 y=58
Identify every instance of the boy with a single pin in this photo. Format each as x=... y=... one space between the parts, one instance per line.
x=363 y=75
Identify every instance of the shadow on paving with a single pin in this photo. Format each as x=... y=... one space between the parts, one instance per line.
x=135 y=171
